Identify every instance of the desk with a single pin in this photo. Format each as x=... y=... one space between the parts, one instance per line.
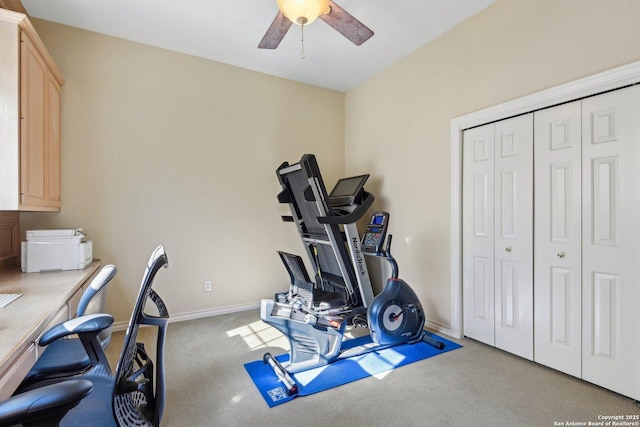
x=48 y=298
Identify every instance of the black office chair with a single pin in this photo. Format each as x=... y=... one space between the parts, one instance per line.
x=68 y=357
x=135 y=395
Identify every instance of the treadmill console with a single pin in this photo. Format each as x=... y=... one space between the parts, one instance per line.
x=348 y=191
x=375 y=233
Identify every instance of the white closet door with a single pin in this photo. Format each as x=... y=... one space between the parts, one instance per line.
x=477 y=232
x=513 y=247
x=558 y=238
x=611 y=240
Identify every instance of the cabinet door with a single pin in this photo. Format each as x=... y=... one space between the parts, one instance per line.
x=477 y=232
x=9 y=241
x=611 y=240
x=513 y=252
x=40 y=131
x=558 y=238
x=32 y=140
x=53 y=142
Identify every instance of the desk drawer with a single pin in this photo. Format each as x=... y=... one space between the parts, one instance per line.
x=17 y=371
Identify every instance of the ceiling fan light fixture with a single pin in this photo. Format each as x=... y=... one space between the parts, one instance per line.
x=303 y=12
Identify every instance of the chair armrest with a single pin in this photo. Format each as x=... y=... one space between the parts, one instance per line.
x=84 y=324
x=49 y=403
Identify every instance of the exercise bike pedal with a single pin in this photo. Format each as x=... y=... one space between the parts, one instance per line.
x=290 y=385
x=360 y=321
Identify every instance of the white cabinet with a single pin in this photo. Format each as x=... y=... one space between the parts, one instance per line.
x=497 y=234
x=586 y=240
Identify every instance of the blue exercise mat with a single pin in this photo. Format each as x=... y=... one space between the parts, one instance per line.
x=342 y=371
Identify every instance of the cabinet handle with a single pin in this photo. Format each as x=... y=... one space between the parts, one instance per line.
x=508 y=249
x=560 y=254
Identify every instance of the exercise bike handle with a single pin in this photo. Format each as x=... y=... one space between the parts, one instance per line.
x=391 y=259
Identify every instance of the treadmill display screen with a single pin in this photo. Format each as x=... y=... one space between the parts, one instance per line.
x=347 y=190
x=348 y=186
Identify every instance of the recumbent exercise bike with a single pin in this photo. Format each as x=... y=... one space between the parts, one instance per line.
x=313 y=315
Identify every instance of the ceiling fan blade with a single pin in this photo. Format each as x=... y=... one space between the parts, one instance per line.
x=276 y=32
x=346 y=24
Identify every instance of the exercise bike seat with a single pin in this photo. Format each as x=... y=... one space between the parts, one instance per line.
x=304 y=288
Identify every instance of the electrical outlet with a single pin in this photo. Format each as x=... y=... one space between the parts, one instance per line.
x=207 y=285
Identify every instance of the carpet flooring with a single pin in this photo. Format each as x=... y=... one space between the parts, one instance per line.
x=476 y=385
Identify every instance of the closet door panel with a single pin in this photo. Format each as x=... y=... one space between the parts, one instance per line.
x=558 y=238
x=477 y=224
x=513 y=252
x=611 y=240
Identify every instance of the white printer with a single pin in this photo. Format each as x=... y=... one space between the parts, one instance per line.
x=50 y=250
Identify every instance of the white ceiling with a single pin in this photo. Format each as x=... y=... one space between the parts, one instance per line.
x=229 y=31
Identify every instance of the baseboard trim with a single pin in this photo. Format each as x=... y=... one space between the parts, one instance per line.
x=199 y=314
x=439 y=328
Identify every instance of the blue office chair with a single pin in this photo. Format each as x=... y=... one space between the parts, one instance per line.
x=44 y=406
x=93 y=299
x=68 y=357
x=135 y=395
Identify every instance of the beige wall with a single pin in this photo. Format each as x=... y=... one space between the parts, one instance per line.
x=398 y=122
x=164 y=148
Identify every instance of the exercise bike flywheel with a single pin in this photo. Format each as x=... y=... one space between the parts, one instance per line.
x=393 y=318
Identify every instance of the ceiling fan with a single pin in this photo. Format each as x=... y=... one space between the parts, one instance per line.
x=304 y=12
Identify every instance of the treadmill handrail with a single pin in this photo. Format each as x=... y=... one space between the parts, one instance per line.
x=350 y=217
